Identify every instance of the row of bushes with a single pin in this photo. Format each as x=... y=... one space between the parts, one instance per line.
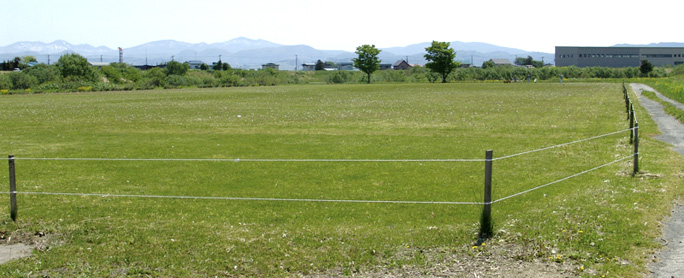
x=45 y=78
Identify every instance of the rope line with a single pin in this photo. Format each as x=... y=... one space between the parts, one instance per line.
x=563 y=179
x=561 y=145
x=251 y=159
x=319 y=200
x=315 y=160
x=246 y=198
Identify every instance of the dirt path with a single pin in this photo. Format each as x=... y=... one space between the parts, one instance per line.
x=11 y=252
x=670 y=261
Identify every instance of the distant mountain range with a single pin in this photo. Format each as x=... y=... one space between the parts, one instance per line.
x=251 y=54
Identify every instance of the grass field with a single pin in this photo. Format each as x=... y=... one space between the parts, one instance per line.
x=604 y=221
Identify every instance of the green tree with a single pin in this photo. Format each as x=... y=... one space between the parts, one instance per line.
x=441 y=59
x=176 y=68
x=74 y=67
x=28 y=59
x=488 y=64
x=330 y=65
x=529 y=61
x=218 y=66
x=204 y=66
x=368 y=60
x=320 y=65
x=226 y=66
x=646 y=67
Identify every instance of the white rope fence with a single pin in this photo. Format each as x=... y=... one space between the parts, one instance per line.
x=563 y=179
x=250 y=198
x=252 y=159
x=314 y=159
x=564 y=144
x=105 y=195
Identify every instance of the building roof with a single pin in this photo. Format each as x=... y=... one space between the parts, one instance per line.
x=98 y=64
x=501 y=61
x=399 y=62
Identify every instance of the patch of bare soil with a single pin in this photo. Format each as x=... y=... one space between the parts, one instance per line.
x=493 y=260
x=21 y=244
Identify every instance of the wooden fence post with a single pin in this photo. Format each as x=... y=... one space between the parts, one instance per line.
x=486 y=226
x=631 y=122
x=636 y=148
x=13 y=189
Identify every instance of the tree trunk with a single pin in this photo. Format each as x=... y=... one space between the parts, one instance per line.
x=369 y=78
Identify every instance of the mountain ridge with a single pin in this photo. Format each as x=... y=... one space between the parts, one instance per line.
x=248 y=53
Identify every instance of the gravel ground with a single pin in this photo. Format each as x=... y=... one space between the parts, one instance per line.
x=15 y=251
x=670 y=261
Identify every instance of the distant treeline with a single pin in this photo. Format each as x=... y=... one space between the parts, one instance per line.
x=73 y=73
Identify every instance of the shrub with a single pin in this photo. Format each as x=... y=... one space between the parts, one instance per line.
x=154 y=78
x=44 y=73
x=339 y=77
x=5 y=82
x=48 y=87
x=21 y=80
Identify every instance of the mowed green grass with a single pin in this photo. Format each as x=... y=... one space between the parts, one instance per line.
x=118 y=236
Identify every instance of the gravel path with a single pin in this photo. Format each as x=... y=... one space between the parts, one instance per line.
x=11 y=252
x=670 y=261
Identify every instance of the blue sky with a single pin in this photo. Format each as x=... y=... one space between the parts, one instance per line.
x=532 y=25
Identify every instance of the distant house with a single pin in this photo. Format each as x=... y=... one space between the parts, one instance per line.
x=401 y=65
x=270 y=65
x=501 y=62
x=309 y=66
x=194 y=64
x=385 y=66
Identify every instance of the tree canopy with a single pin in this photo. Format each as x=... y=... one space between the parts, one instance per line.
x=646 y=67
x=441 y=59
x=76 y=67
x=368 y=60
x=320 y=65
x=529 y=61
x=176 y=68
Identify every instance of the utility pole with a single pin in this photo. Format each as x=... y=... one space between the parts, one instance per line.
x=48 y=59
x=172 y=57
x=296 y=62
x=100 y=58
